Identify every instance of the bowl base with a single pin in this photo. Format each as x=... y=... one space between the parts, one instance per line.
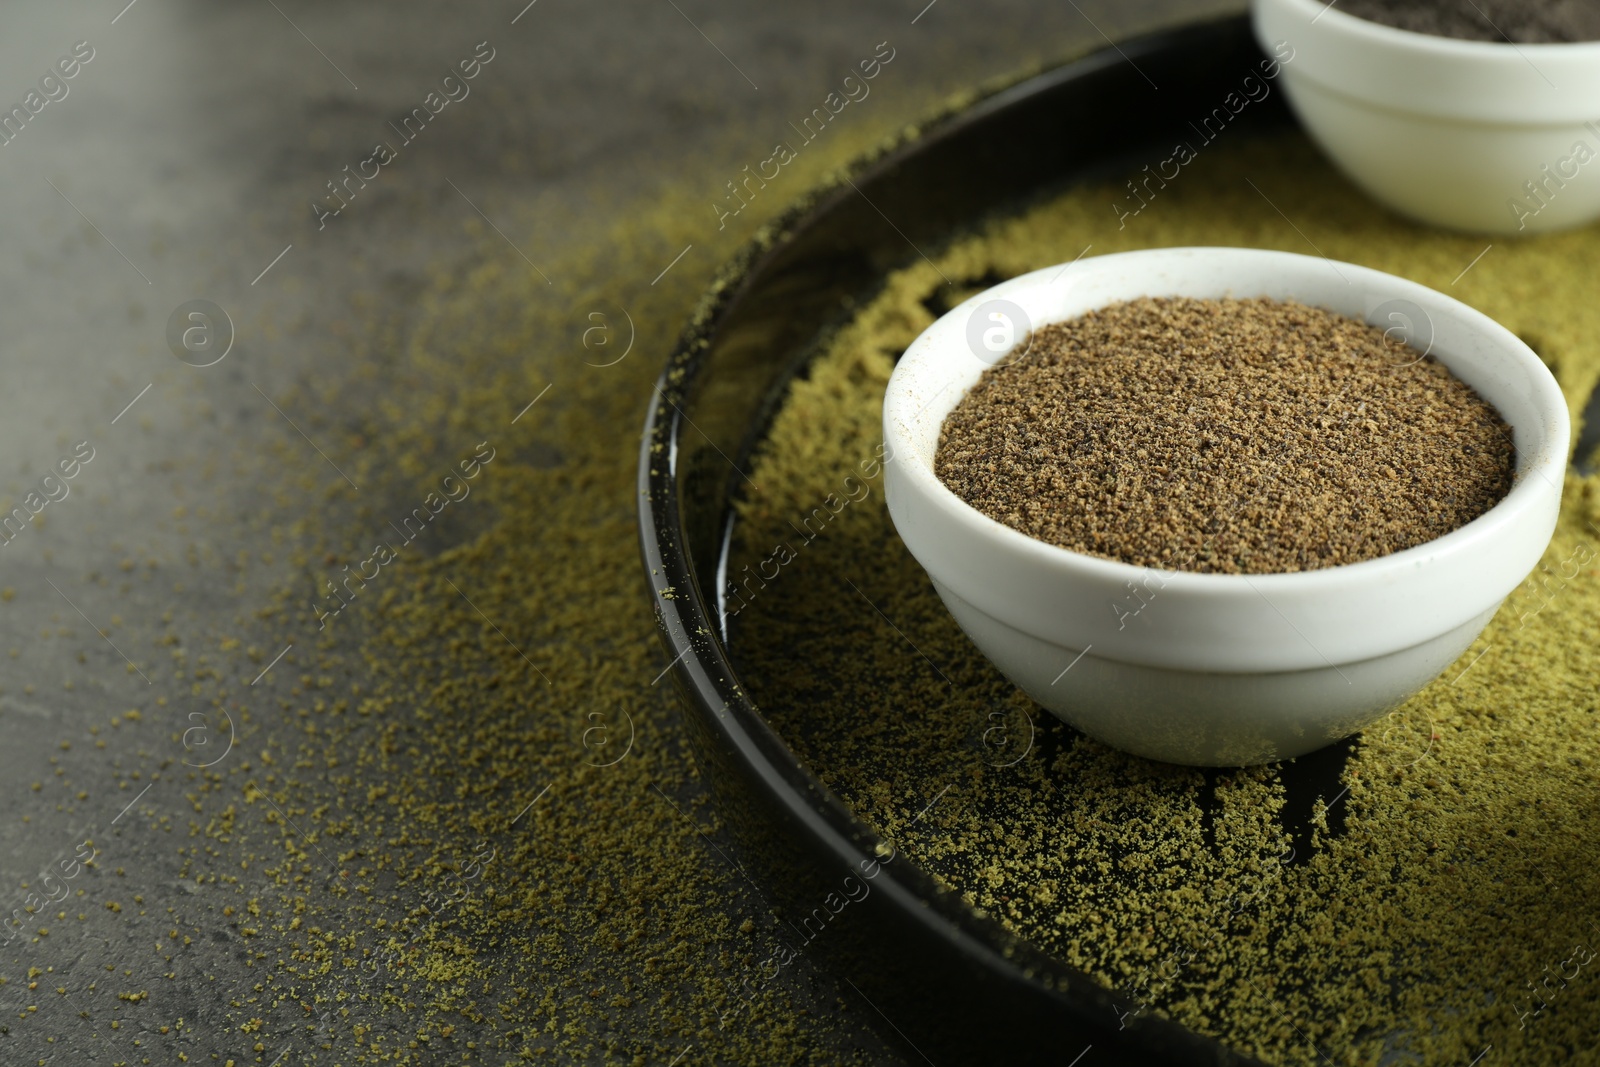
x=1207 y=719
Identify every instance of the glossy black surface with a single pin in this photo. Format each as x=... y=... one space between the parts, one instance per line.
x=953 y=986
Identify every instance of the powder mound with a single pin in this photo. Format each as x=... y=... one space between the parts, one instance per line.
x=1518 y=21
x=1225 y=436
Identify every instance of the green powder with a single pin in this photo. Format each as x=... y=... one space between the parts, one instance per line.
x=1445 y=903
x=519 y=836
x=460 y=824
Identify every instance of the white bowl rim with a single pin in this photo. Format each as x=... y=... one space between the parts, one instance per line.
x=1525 y=493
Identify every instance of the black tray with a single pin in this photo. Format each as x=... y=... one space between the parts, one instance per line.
x=953 y=986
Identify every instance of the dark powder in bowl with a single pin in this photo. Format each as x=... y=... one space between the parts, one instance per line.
x=1225 y=436
x=1516 y=21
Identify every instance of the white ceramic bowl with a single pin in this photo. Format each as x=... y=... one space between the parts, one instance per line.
x=1219 y=669
x=1447 y=131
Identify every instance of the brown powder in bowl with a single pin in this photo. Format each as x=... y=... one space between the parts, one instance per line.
x=1225 y=436
x=1519 y=21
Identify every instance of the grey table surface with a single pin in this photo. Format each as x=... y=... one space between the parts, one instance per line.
x=179 y=166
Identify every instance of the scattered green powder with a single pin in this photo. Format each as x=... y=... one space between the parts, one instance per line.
x=459 y=824
x=506 y=857
x=1467 y=869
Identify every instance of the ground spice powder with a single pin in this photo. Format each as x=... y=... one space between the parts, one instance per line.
x=1439 y=905
x=1519 y=21
x=1235 y=436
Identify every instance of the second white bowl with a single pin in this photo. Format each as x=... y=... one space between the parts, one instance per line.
x=1218 y=669
x=1472 y=135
